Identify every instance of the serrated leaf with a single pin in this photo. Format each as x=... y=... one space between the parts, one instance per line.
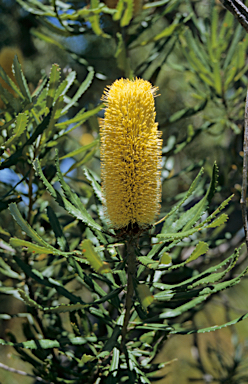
x=79 y=119
x=26 y=227
x=199 y=250
x=65 y=85
x=148 y=262
x=83 y=87
x=219 y=221
x=10 y=100
x=75 y=205
x=34 y=248
x=53 y=85
x=10 y=82
x=13 y=159
x=27 y=300
x=93 y=258
x=91 y=177
x=20 y=126
x=80 y=150
x=47 y=344
x=191 y=190
x=81 y=213
x=21 y=80
x=211 y=328
x=56 y=113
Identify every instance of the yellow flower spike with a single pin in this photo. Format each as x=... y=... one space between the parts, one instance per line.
x=130 y=154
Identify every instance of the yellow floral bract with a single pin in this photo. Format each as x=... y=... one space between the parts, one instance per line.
x=130 y=154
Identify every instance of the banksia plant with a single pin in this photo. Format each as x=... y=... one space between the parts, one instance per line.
x=130 y=154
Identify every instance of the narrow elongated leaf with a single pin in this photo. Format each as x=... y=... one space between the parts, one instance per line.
x=21 y=80
x=83 y=87
x=79 y=119
x=34 y=248
x=47 y=344
x=10 y=82
x=191 y=190
x=26 y=227
x=61 y=239
x=211 y=328
x=186 y=112
x=199 y=250
x=128 y=13
x=80 y=150
x=48 y=282
x=65 y=85
x=115 y=362
x=53 y=85
x=91 y=177
x=27 y=300
x=81 y=213
x=21 y=124
x=13 y=159
x=219 y=221
x=94 y=259
x=7 y=271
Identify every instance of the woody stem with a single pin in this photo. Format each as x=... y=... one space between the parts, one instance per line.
x=131 y=269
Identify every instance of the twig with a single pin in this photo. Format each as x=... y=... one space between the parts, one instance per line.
x=244 y=178
x=239 y=10
x=37 y=378
x=131 y=269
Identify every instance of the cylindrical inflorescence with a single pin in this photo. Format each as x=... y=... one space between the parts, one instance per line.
x=130 y=154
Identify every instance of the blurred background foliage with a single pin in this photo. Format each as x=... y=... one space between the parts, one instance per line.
x=196 y=53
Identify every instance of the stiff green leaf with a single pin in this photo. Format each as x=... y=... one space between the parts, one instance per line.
x=20 y=126
x=115 y=362
x=7 y=271
x=10 y=82
x=26 y=227
x=212 y=328
x=21 y=80
x=46 y=38
x=199 y=250
x=83 y=87
x=94 y=259
x=47 y=344
x=186 y=112
x=91 y=177
x=13 y=159
x=27 y=300
x=65 y=85
x=80 y=213
x=128 y=13
x=80 y=150
x=53 y=85
x=219 y=221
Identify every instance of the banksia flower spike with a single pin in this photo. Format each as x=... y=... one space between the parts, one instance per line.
x=130 y=154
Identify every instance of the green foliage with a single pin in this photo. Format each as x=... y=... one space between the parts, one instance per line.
x=58 y=257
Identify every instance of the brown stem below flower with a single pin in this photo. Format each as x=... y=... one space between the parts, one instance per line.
x=131 y=269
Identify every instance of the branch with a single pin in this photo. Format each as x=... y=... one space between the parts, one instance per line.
x=239 y=10
x=244 y=177
x=37 y=378
x=131 y=269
